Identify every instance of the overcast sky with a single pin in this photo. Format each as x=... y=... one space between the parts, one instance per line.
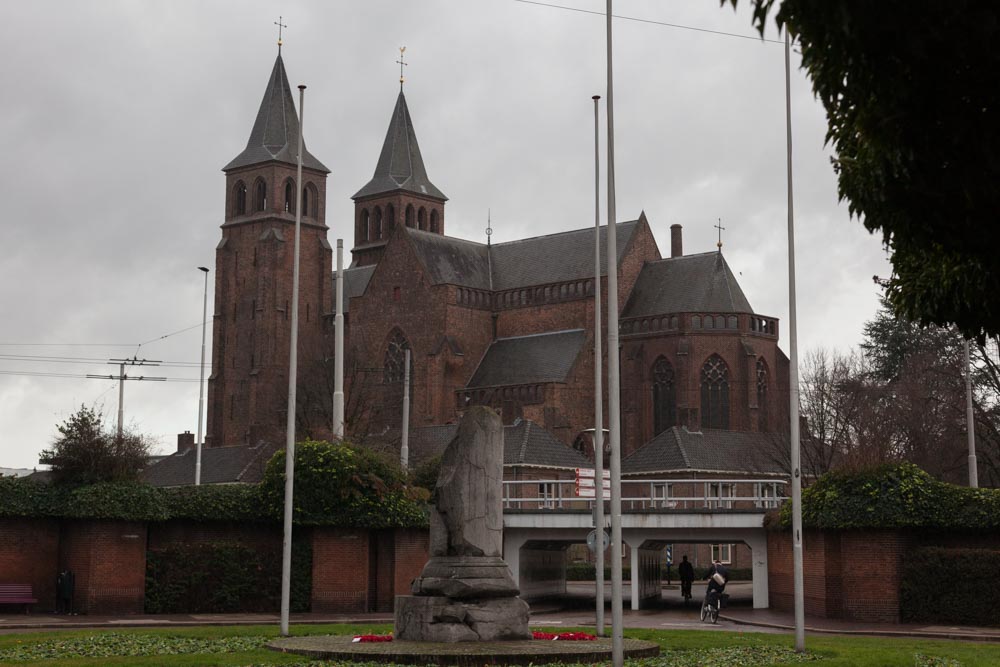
x=118 y=117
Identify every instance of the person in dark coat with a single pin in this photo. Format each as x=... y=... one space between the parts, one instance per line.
x=686 y=574
x=715 y=587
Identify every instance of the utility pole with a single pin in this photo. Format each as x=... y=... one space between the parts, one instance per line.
x=122 y=377
x=201 y=381
x=404 y=448
x=970 y=421
x=598 y=387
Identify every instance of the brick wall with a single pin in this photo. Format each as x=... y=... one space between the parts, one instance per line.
x=340 y=570
x=29 y=554
x=171 y=533
x=109 y=560
x=412 y=552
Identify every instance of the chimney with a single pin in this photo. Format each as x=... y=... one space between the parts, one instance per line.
x=185 y=440
x=676 y=245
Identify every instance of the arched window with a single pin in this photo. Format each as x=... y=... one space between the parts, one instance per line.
x=377 y=231
x=422 y=218
x=260 y=195
x=715 y=393
x=762 y=406
x=390 y=220
x=289 y=194
x=395 y=359
x=664 y=396
x=409 y=215
x=240 y=199
x=363 y=232
x=434 y=221
x=305 y=201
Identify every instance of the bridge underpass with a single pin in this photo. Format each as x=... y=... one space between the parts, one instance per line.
x=537 y=533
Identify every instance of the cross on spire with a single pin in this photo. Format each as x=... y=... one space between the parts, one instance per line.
x=401 y=64
x=721 y=229
x=280 y=26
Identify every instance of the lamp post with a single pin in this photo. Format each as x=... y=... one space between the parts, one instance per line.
x=201 y=382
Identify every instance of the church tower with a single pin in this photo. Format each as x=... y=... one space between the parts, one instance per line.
x=398 y=193
x=247 y=392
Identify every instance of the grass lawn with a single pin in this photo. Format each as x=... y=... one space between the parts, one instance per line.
x=243 y=645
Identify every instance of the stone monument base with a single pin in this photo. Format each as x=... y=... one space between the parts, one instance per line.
x=436 y=618
x=465 y=577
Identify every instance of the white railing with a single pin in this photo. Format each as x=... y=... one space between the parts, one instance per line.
x=649 y=494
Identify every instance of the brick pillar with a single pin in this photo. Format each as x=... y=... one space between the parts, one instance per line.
x=412 y=553
x=340 y=570
x=109 y=561
x=872 y=568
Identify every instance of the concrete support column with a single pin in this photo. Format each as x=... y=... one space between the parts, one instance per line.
x=758 y=548
x=512 y=543
x=635 y=585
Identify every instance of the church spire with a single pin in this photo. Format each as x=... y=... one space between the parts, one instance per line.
x=275 y=132
x=400 y=166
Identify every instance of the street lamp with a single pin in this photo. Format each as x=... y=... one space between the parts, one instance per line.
x=201 y=383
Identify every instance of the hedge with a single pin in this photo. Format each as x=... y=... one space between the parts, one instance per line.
x=951 y=586
x=897 y=495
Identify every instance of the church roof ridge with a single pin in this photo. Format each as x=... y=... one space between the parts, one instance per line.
x=580 y=230
x=542 y=333
x=275 y=132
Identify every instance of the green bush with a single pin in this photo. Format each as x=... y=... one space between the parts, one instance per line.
x=337 y=484
x=951 y=586
x=225 y=577
x=894 y=496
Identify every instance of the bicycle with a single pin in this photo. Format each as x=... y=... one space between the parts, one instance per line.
x=710 y=608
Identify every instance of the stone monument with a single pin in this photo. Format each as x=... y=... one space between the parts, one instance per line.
x=466 y=591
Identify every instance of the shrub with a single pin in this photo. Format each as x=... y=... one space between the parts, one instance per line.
x=87 y=451
x=951 y=586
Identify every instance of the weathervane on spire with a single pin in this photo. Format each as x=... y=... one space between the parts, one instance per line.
x=280 y=26
x=721 y=229
x=401 y=64
x=489 y=226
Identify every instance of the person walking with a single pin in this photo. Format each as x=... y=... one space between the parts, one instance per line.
x=685 y=573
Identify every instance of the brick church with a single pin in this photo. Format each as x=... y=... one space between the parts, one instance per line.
x=509 y=325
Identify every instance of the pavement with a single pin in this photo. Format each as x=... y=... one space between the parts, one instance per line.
x=576 y=609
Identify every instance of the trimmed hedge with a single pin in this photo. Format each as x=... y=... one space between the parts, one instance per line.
x=897 y=495
x=225 y=577
x=951 y=586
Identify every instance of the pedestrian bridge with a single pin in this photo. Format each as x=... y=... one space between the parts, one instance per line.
x=542 y=517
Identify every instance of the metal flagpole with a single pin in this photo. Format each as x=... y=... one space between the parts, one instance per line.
x=598 y=388
x=614 y=384
x=286 y=552
x=201 y=382
x=404 y=448
x=793 y=380
x=970 y=421
x=338 y=348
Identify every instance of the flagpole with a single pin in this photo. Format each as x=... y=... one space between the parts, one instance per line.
x=793 y=383
x=338 y=349
x=614 y=383
x=598 y=388
x=293 y=342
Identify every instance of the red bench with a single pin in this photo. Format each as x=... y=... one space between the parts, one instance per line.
x=17 y=594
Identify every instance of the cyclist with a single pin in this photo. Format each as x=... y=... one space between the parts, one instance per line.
x=717 y=578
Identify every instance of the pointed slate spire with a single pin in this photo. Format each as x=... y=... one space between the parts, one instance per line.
x=275 y=133
x=400 y=166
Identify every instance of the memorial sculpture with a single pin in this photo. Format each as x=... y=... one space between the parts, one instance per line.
x=466 y=591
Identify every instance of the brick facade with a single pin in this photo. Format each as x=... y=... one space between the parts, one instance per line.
x=109 y=560
x=29 y=554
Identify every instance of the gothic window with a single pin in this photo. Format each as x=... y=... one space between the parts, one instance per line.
x=260 y=195
x=364 y=224
x=715 y=393
x=434 y=221
x=422 y=218
x=409 y=215
x=313 y=208
x=762 y=407
x=664 y=396
x=395 y=359
x=240 y=199
x=390 y=219
x=305 y=201
x=289 y=193
x=377 y=233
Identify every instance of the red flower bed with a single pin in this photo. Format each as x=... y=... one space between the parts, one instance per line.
x=564 y=636
x=364 y=639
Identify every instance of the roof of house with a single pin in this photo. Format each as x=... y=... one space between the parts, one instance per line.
x=690 y=283
x=547 y=357
x=275 y=133
x=356 y=280
x=525 y=443
x=219 y=465
x=400 y=166
x=679 y=450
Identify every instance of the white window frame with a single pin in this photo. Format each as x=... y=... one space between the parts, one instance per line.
x=547 y=496
x=767 y=492
x=722 y=553
x=717 y=493
x=661 y=495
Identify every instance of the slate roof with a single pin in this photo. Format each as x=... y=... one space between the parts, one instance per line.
x=275 y=133
x=219 y=465
x=525 y=443
x=547 y=357
x=679 y=450
x=691 y=283
x=400 y=166
x=355 y=283
x=515 y=264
